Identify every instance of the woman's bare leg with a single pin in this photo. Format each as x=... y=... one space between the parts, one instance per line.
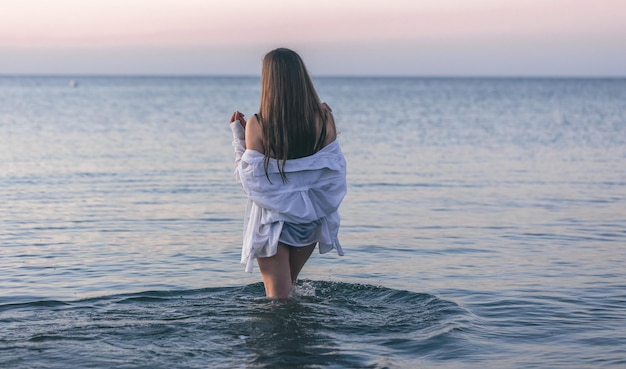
x=276 y=273
x=298 y=256
x=280 y=272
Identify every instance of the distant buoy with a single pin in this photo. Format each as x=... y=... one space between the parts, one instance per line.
x=73 y=83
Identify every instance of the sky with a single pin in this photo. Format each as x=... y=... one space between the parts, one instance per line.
x=335 y=37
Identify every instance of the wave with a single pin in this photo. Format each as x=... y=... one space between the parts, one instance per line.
x=325 y=323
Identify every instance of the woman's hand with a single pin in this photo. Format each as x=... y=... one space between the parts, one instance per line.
x=240 y=117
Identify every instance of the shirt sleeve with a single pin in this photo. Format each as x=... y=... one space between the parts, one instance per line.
x=239 y=145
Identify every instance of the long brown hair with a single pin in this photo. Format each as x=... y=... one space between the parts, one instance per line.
x=290 y=110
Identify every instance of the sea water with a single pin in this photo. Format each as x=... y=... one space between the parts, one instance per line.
x=484 y=226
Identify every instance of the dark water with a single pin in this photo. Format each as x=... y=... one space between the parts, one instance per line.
x=484 y=226
x=329 y=324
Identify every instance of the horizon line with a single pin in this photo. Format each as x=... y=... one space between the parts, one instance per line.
x=355 y=76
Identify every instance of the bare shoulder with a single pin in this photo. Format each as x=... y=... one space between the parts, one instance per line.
x=331 y=130
x=254 y=135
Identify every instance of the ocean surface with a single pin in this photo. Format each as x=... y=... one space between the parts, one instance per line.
x=484 y=227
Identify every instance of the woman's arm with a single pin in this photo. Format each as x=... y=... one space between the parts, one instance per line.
x=331 y=129
x=237 y=126
x=254 y=135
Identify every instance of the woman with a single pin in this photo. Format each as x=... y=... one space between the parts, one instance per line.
x=293 y=172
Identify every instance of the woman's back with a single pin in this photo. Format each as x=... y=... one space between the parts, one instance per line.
x=325 y=132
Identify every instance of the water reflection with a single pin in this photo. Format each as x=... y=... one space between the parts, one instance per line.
x=287 y=334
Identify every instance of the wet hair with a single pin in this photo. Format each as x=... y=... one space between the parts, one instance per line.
x=290 y=110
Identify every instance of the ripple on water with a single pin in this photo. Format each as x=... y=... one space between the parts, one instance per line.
x=324 y=324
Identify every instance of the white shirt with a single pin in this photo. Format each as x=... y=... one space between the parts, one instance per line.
x=315 y=187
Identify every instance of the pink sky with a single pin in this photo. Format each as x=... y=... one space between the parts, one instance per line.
x=366 y=37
